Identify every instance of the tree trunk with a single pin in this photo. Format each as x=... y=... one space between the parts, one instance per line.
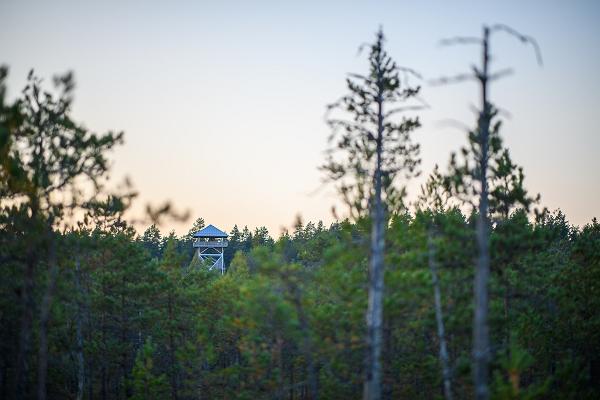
x=439 y=317
x=481 y=341
x=46 y=308
x=372 y=386
x=20 y=388
x=90 y=364
x=27 y=303
x=103 y=360
x=78 y=333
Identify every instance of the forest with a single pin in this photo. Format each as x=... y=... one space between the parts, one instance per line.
x=473 y=290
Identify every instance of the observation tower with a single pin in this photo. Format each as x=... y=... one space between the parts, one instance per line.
x=211 y=242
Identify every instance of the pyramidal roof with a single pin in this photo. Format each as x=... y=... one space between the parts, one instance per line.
x=210 y=231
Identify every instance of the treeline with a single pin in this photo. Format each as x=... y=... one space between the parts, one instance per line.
x=470 y=292
x=238 y=240
x=134 y=317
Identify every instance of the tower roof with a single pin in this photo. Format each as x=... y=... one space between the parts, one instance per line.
x=210 y=231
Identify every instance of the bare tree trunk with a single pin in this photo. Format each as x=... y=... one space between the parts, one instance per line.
x=439 y=317
x=372 y=386
x=20 y=388
x=90 y=362
x=103 y=360
x=44 y=319
x=481 y=340
x=78 y=332
x=27 y=302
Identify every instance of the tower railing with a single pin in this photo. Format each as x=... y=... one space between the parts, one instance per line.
x=210 y=243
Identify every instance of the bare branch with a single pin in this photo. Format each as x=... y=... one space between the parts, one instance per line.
x=361 y=47
x=460 y=40
x=452 y=123
x=473 y=108
x=330 y=107
x=403 y=109
x=336 y=122
x=156 y=214
x=422 y=101
x=523 y=38
x=410 y=71
x=446 y=80
x=501 y=74
x=359 y=76
x=504 y=112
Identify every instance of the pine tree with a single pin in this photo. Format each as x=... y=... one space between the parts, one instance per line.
x=371 y=150
x=198 y=225
x=46 y=158
x=234 y=244
x=152 y=240
x=471 y=179
x=261 y=237
x=173 y=291
x=146 y=384
x=246 y=239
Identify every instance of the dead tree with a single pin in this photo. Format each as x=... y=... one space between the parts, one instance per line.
x=473 y=181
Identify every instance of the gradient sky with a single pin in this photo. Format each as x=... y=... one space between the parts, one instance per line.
x=222 y=102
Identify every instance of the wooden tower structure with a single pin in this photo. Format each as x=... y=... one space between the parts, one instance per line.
x=210 y=243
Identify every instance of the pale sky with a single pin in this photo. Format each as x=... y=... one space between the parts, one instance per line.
x=222 y=102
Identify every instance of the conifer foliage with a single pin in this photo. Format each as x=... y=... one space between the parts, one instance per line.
x=91 y=308
x=371 y=150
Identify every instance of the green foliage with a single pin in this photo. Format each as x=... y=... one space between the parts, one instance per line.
x=506 y=190
x=198 y=225
x=133 y=318
x=146 y=384
x=358 y=126
x=52 y=169
x=514 y=365
x=277 y=316
x=152 y=241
